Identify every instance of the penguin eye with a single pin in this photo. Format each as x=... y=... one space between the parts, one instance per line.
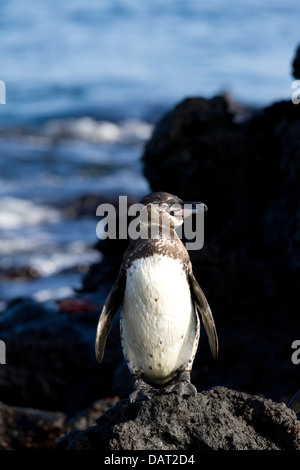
x=168 y=208
x=165 y=207
x=173 y=210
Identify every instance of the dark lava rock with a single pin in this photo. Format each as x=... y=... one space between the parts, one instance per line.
x=296 y=64
x=27 y=428
x=50 y=359
x=112 y=250
x=219 y=419
x=195 y=146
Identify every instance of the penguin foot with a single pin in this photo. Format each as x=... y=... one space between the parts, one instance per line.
x=181 y=385
x=138 y=395
x=143 y=391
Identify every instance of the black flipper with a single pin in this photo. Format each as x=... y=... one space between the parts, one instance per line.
x=110 y=308
x=206 y=315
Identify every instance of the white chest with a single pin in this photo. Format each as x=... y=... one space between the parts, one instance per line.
x=159 y=324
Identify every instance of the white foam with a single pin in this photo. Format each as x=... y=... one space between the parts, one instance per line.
x=135 y=129
x=103 y=131
x=16 y=213
x=58 y=293
x=52 y=263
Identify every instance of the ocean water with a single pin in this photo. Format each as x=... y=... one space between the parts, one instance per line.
x=85 y=82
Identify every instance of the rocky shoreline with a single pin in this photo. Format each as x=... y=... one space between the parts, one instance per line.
x=219 y=419
x=245 y=167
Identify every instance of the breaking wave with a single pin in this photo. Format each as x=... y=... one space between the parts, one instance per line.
x=86 y=128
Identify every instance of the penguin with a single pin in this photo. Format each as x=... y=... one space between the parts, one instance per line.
x=160 y=301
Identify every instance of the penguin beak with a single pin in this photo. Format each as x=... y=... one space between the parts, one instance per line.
x=186 y=209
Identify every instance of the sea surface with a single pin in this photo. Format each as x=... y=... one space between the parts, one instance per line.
x=85 y=83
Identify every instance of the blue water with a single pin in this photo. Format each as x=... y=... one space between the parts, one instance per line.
x=85 y=82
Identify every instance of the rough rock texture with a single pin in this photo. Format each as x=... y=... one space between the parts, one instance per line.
x=29 y=428
x=51 y=362
x=219 y=419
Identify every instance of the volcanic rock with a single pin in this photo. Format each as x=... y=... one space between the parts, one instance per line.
x=218 y=419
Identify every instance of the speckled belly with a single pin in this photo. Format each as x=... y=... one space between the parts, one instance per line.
x=158 y=320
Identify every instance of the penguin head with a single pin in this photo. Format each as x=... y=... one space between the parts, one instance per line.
x=169 y=209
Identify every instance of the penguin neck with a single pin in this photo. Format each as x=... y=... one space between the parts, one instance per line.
x=158 y=231
x=157 y=225
x=162 y=245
